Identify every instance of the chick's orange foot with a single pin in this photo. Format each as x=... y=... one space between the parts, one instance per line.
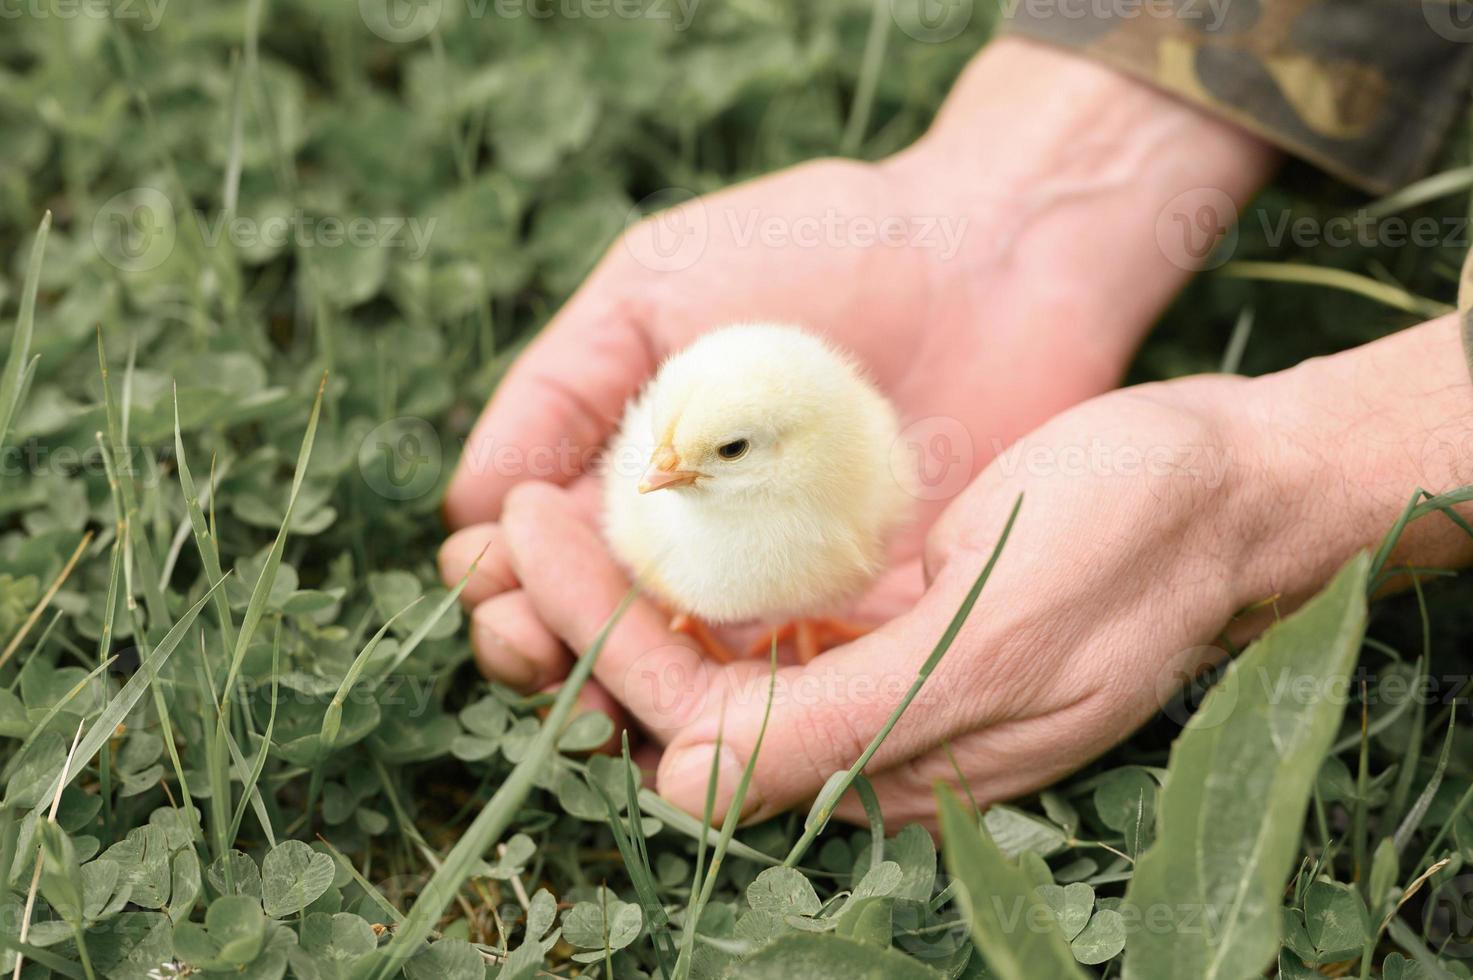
x=810 y=637
x=697 y=630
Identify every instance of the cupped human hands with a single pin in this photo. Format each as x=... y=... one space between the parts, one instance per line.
x=1155 y=521
x=983 y=292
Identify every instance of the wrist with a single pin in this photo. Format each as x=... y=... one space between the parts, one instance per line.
x=1337 y=447
x=1072 y=169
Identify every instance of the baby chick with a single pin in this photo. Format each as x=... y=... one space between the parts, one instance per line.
x=752 y=480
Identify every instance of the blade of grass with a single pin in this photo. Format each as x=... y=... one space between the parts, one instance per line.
x=252 y=780
x=961 y=780
x=128 y=696
x=14 y=762
x=373 y=894
x=1421 y=191
x=493 y=820
x=702 y=842
x=216 y=766
x=870 y=66
x=61 y=783
x=1419 y=809
x=48 y=959
x=1359 y=814
x=332 y=719
x=659 y=921
x=631 y=845
x=412 y=642
x=1377 y=727
x=839 y=783
x=256 y=608
x=1417 y=950
x=166 y=723
x=204 y=539
x=104 y=645
x=1350 y=282
x=46 y=597
x=135 y=545
x=1447 y=825
x=140 y=633
x=12 y=379
x=871 y=804
x=1388 y=543
x=1413 y=754
x=1232 y=356
x=728 y=827
x=656 y=807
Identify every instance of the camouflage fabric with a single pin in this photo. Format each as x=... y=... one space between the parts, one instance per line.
x=1363 y=88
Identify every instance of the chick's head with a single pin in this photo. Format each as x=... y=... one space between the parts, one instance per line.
x=764 y=412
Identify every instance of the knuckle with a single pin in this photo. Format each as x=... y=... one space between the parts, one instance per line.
x=526 y=498
x=827 y=739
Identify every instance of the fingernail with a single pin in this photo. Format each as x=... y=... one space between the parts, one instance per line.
x=685 y=775
x=508 y=663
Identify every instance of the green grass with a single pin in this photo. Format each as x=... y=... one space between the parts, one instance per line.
x=220 y=603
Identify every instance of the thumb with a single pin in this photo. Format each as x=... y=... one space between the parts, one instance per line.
x=825 y=713
x=559 y=402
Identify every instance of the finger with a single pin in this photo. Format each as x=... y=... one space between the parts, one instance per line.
x=561 y=399
x=998 y=762
x=574 y=586
x=513 y=647
x=825 y=714
x=480 y=545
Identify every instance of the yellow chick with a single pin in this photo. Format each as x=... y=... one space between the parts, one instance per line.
x=752 y=479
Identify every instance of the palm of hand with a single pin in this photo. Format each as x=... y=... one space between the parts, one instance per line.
x=946 y=337
x=741 y=256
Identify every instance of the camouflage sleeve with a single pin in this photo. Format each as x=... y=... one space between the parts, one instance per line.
x=1363 y=88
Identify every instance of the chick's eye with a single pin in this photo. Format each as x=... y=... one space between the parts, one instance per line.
x=735 y=449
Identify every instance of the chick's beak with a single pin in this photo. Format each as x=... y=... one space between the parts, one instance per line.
x=665 y=471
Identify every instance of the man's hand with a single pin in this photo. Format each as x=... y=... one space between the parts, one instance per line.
x=1152 y=517
x=999 y=271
